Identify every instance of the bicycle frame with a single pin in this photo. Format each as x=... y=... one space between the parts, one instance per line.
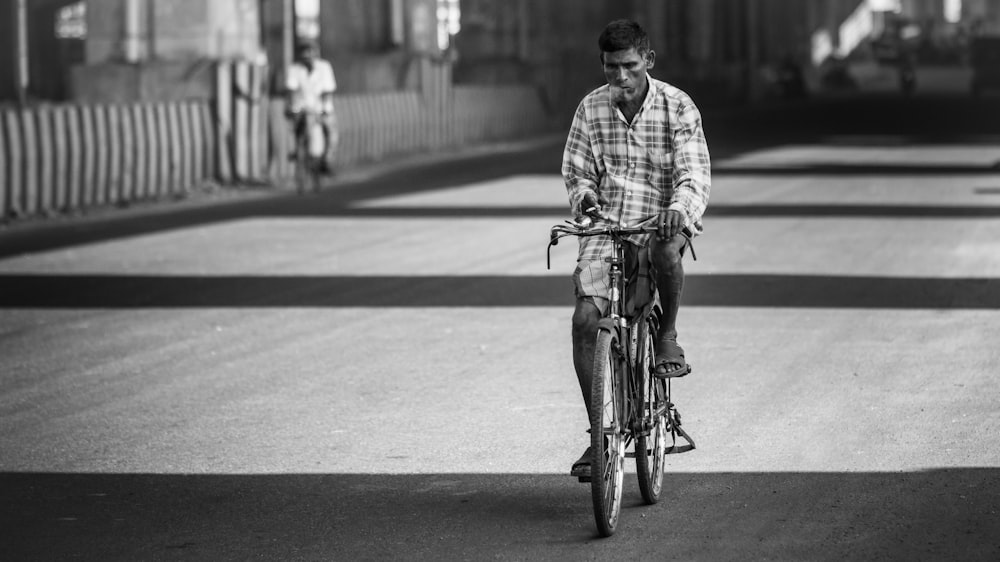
x=626 y=334
x=310 y=148
x=626 y=331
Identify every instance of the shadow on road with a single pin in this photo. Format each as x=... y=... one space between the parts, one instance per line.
x=944 y=514
x=67 y=235
x=732 y=132
x=757 y=290
x=874 y=210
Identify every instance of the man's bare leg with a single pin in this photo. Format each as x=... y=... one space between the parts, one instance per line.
x=585 y=319
x=668 y=266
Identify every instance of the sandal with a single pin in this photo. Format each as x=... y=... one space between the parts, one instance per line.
x=669 y=354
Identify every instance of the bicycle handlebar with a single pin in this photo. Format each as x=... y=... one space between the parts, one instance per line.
x=570 y=229
x=610 y=227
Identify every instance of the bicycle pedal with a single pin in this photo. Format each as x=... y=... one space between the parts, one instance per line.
x=584 y=479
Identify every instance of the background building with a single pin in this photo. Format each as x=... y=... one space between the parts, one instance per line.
x=115 y=101
x=720 y=50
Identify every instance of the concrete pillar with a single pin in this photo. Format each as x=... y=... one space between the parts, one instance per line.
x=523 y=22
x=134 y=40
x=171 y=30
x=421 y=28
x=21 y=50
x=753 y=61
x=421 y=41
x=12 y=30
x=277 y=25
x=8 y=66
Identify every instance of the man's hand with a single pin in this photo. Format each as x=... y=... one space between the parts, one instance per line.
x=671 y=223
x=590 y=206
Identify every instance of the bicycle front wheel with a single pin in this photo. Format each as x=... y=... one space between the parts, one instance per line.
x=607 y=435
x=651 y=440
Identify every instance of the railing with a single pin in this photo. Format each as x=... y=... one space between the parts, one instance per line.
x=68 y=158
x=64 y=158
x=375 y=127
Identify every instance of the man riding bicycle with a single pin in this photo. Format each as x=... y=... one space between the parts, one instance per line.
x=310 y=84
x=635 y=149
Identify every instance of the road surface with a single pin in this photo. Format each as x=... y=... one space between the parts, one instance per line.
x=382 y=370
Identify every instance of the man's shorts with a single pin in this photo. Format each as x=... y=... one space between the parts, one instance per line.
x=328 y=120
x=592 y=282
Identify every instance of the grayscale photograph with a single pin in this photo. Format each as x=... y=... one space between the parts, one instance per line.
x=338 y=280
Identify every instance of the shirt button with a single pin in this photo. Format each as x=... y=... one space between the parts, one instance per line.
x=632 y=165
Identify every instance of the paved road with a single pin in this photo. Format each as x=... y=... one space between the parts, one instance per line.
x=382 y=370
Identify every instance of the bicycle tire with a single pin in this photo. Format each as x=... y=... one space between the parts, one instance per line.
x=607 y=435
x=303 y=174
x=651 y=440
x=307 y=168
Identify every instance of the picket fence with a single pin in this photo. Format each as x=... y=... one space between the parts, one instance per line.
x=68 y=158
x=65 y=158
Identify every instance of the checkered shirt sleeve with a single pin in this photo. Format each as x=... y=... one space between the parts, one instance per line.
x=660 y=161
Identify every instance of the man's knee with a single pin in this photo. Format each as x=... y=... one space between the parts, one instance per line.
x=585 y=318
x=667 y=256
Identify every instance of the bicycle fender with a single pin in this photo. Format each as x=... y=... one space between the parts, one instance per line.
x=609 y=325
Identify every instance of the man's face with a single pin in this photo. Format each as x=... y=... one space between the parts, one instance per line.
x=309 y=54
x=625 y=72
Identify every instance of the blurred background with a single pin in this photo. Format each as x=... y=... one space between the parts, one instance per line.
x=98 y=50
x=196 y=82
x=382 y=370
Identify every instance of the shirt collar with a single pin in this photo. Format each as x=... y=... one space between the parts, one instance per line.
x=650 y=95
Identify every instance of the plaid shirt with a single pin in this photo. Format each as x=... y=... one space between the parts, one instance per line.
x=658 y=162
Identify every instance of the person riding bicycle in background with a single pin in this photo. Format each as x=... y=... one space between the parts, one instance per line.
x=310 y=84
x=635 y=149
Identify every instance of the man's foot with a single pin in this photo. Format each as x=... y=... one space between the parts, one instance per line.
x=669 y=360
x=581 y=468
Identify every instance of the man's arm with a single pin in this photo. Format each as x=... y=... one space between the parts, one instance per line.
x=328 y=87
x=692 y=177
x=291 y=92
x=292 y=80
x=579 y=166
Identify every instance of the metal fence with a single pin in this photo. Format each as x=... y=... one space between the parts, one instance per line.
x=67 y=158
x=64 y=158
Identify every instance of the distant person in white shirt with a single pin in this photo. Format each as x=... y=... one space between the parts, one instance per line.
x=311 y=84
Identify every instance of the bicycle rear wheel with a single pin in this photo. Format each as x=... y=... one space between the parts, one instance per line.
x=307 y=167
x=607 y=435
x=651 y=440
x=303 y=173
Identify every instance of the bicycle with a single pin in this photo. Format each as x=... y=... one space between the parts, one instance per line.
x=630 y=405
x=310 y=147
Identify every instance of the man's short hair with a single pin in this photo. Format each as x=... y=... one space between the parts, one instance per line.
x=622 y=35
